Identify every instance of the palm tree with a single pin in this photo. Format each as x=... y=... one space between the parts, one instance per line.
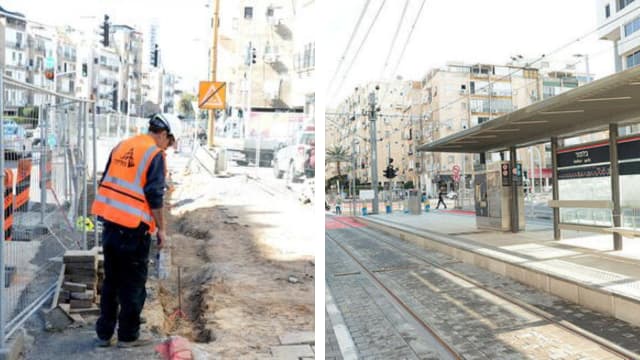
x=337 y=154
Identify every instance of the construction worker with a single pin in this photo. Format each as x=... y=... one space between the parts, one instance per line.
x=129 y=202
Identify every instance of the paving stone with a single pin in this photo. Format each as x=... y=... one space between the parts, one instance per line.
x=291 y=352
x=294 y=338
x=84 y=295
x=477 y=323
x=74 y=287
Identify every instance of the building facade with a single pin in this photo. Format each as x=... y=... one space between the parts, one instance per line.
x=619 y=22
x=13 y=38
x=260 y=69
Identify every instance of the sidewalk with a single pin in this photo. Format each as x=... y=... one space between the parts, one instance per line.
x=583 y=268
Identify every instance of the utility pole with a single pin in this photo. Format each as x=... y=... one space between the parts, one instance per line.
x=214 y=64
x=374 y=151
x=353 y=176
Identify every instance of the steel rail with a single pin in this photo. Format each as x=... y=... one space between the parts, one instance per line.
x=603 y=343
x=399 y=301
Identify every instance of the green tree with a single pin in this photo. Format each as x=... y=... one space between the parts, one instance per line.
x=337 y=154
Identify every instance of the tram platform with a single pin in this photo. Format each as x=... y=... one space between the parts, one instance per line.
x=582 y=268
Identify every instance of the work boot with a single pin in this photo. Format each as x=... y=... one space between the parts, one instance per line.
x=142 y=340
x=105 y=343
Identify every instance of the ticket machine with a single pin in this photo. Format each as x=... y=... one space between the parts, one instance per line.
x=493 y=195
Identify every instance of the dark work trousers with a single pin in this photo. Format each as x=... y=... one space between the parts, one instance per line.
x=441 y=201
x=126 y=254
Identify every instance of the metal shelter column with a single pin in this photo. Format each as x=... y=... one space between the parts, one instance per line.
x=515 y=221
x=615 y=183
x=556 y=191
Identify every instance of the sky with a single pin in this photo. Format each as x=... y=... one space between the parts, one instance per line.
x=469 y=31
x=183 y=28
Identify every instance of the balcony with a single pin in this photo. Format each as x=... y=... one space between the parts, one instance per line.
x=15 y=45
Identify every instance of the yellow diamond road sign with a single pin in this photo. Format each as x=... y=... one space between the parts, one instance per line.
x=211 y=95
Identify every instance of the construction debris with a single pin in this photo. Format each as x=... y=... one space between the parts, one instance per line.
x=78 y=290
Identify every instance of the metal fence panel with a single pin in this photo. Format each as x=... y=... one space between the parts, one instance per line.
x=45 y=166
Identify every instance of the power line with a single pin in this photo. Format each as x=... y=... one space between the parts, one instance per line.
x=395 y=37
x=542 y=57
x=404 y=47
x=346 y=49
x=364 y=40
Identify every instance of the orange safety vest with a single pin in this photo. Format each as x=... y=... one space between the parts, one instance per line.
x=120 y=197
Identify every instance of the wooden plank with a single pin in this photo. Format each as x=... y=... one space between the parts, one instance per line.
x=56 y=295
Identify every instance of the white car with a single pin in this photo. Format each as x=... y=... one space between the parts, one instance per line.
x=16 y=142
x=294 y=160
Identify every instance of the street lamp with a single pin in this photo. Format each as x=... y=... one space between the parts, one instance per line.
x=586 y=63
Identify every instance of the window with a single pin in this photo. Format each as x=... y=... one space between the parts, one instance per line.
x=623 y=3
x=248 y=12
x=632 y=26
x=633 y=59
x=607 y=11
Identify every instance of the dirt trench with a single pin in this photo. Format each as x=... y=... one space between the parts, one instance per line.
x=234 y=299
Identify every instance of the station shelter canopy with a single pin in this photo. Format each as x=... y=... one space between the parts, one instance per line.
x=586 y=109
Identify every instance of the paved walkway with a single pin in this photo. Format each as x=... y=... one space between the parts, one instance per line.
x=580 y=258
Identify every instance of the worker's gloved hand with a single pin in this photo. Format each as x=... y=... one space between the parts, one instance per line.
x=161 y=238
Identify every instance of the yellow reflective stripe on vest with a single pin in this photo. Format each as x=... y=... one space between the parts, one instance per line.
x=125 y=184
x=124 y=207
x=135 y=185
x=143 y=163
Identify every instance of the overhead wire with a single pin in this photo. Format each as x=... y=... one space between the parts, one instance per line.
x=346 y=49
x=542 y=57
x=395 y=37
x=364 y=40
x=404 y=47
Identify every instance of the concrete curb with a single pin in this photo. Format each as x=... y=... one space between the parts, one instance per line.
x=345 y=342
x=614 y=304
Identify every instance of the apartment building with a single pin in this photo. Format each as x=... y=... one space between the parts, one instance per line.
x=304 y=58
x=67 y=63
x=13 y=46
x=619 y=22
x=106 y=79
x=455 y=98
x=258 y=39
x=350 y=128
x=128 y=43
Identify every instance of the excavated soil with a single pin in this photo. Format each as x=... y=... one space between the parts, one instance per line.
x=234 y=299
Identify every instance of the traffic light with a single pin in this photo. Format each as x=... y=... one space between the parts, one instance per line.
x=390 y=172
x=49 y=74
x=85 y=70
x=154 y=56
x=253 y=55
x=105 y=31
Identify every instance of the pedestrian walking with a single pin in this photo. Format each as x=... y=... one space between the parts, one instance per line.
x=441 y=195
x=129 y=202
x=339 y=205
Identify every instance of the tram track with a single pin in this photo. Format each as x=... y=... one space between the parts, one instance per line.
x=374 y=274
